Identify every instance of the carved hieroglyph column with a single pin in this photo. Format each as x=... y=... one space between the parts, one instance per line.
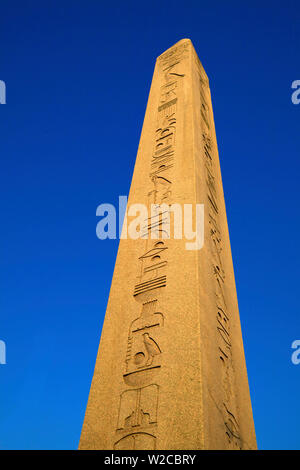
x=170 y=372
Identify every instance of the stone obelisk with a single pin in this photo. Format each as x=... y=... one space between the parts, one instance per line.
x=170 y=372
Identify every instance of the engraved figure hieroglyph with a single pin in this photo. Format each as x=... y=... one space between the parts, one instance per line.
x=138 y=407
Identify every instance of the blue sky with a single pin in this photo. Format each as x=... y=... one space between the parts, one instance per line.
x=78 y=75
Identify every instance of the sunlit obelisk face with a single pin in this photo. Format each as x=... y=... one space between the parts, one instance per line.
x=170 y=372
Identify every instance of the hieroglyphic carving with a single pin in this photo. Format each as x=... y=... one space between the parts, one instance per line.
x=143 y=346
x=215 y=236
x=150 y=285
x=138 y=406
x=232 y=429
x=229 y=410
x=205 y=111
x=136 y=441
x=153 y=263
x=164 y=136
x=174 y=55
x=168 y=95
x=162 y=189
x=161 y=163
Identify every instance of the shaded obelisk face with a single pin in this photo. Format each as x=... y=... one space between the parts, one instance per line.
x=170 y=371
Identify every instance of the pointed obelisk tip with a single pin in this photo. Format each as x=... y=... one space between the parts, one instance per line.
x=177 y=44
x=181 y=41
x=185 y=39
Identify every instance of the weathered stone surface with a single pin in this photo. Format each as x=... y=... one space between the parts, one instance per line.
x=170 y=372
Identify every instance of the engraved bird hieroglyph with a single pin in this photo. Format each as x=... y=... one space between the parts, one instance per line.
x=151 y=347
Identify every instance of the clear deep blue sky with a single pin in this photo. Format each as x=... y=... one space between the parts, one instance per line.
x=78 y=75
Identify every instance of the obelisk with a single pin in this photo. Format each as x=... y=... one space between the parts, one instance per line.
x=170 y=372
